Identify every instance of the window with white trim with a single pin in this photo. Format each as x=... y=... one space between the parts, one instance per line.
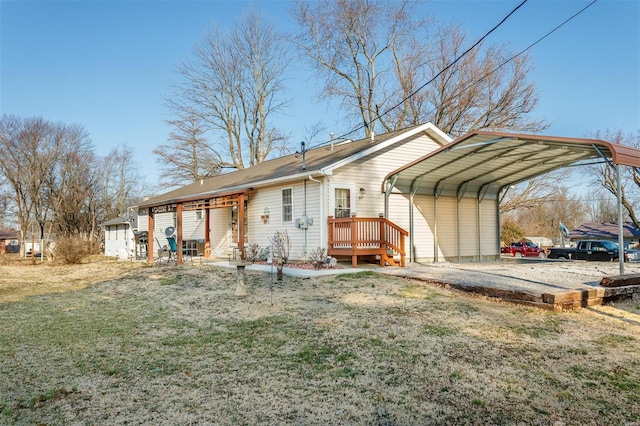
x=287 y=205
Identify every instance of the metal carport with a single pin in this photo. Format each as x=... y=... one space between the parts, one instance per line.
x=481 y=164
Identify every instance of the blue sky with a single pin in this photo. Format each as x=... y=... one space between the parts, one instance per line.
x=107 y=65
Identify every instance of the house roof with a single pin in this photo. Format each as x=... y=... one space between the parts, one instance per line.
x=8 y=234
x=481 y=163
x=319 y=161
x=604 y=231
x=120 y=220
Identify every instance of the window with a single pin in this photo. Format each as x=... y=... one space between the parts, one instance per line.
x=287 y=205
x=343 y=202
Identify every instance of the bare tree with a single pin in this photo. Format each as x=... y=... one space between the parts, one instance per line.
x=602 y=207
x=233 y=86
x=375 y=55
x=187 y=157
x=545 y=219
x=32 y=160
x=539 y=205
x=481 y=91
x=533 y=192
x=605 y=175
x=121 y=184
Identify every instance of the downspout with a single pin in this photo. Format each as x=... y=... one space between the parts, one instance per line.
x=304 y=213
x=322 y=212
x=458 y=226
x=436 y=195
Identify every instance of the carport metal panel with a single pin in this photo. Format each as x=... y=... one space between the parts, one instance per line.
x=481 y=164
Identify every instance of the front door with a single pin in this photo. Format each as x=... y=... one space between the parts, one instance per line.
x=342 y=200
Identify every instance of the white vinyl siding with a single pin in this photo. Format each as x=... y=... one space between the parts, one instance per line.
x=369 y=173
x=161 y=221
x=192 y=227
x=271 y=198
x=219 y=233
x=468 y=225
x=489 y=245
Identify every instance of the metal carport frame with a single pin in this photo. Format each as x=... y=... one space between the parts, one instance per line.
x=481 y=164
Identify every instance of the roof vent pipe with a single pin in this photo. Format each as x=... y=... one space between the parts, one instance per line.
x=331 y=137
x=201 y=182
x=373 y=136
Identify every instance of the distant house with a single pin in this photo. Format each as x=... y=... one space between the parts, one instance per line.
x=9 y=241
x=606 y=231
x=120 y=237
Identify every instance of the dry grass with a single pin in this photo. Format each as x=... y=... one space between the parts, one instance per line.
x=116 y=343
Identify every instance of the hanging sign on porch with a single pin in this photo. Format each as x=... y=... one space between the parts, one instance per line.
x=169 y=208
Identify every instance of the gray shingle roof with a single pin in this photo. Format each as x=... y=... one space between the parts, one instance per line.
x=282 y=167
x=604 y=231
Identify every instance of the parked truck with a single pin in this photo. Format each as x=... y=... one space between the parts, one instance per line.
x=524 y=249
x=602 y=250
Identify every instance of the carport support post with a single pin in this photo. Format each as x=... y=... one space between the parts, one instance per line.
x=620 y=227
x=150 y=237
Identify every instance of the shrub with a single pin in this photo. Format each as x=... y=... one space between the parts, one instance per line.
x=281 y=245
x=510 y=232
x=318 y=257
x=252 y=253
x=71 y=251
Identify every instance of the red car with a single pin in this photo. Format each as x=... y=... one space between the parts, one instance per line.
x=524 y=249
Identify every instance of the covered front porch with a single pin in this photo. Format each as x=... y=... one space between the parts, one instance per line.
x=234 y=200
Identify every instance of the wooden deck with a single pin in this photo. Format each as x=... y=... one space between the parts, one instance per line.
x=367 y=237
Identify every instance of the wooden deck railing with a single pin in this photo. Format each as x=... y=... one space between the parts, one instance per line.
x=367 y=236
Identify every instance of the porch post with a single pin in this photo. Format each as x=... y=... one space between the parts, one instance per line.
x=179 y=236
x=207 y=233
x=241 y=213
x=150 y=237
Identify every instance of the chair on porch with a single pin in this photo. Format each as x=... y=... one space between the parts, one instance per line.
x=173 y=249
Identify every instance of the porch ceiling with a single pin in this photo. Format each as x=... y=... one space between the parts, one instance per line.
x=480 y=163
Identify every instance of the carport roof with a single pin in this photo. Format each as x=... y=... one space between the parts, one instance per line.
x=481 y=163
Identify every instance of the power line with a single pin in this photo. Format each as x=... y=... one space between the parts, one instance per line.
x=436 y=76
x=529 y=47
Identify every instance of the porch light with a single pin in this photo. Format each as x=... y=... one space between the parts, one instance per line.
x=362 y=192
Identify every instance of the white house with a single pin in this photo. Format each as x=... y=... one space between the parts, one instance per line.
x=297 y=195
x=411 y=193
x=120 y=237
